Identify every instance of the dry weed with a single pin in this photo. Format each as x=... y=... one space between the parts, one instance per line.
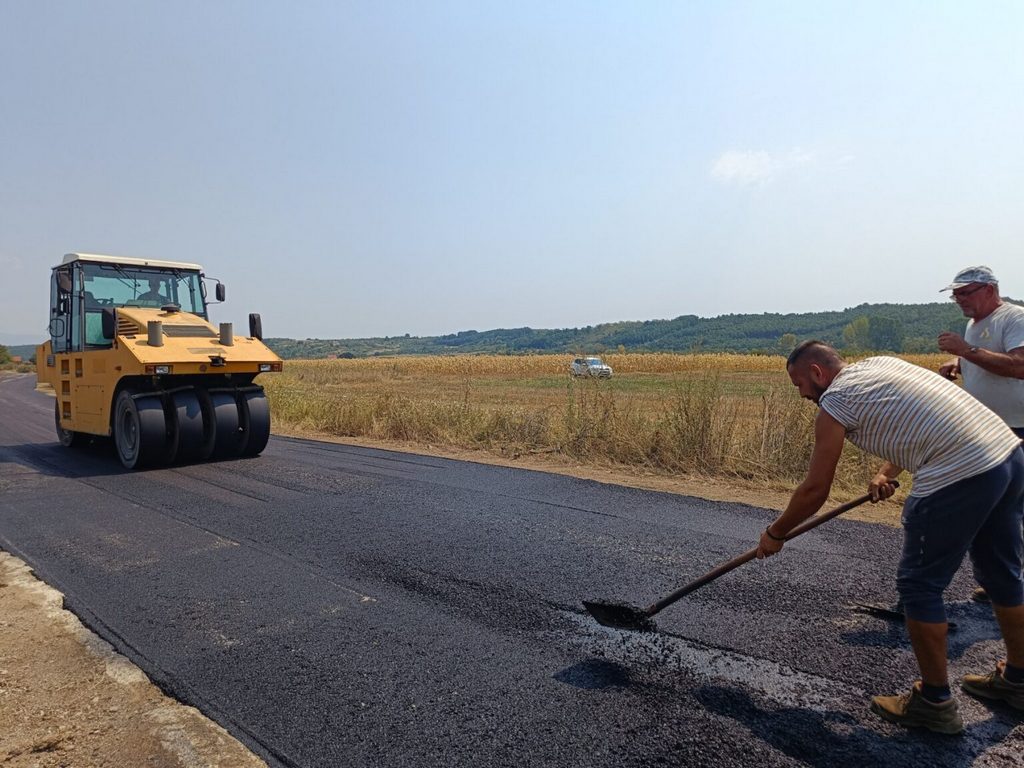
x=715 y=414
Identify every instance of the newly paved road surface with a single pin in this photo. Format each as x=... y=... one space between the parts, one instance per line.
x=333 y=605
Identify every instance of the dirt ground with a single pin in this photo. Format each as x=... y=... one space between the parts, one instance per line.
x=67 y=699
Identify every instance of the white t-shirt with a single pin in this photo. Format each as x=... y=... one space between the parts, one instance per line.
x=917 y=420
x=1001 y=331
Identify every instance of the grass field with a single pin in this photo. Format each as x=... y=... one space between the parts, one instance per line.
x=719 y=415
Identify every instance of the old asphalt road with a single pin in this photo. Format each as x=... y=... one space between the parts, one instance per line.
x=332 y=605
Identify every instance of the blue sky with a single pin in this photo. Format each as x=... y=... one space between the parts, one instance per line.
x=381 y=168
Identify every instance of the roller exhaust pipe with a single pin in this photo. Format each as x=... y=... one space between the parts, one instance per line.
x=155 y=328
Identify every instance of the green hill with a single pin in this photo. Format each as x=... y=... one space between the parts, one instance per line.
x=24 y=351
x=879 y=327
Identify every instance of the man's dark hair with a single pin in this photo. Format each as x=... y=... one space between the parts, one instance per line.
x=814 y=351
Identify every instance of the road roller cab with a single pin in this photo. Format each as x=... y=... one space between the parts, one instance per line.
x=132 y=355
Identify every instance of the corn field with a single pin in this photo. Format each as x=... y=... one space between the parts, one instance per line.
x=715 y=414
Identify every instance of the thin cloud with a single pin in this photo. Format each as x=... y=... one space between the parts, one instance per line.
x=10 y=263
x=747 y=168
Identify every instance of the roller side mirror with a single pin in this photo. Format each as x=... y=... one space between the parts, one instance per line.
x=109 y=323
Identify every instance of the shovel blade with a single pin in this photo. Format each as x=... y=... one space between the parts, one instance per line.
x=620 y=616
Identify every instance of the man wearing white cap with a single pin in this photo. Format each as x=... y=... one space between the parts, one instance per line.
x=990 y=354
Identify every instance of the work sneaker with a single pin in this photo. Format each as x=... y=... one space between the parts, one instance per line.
x=915 y=711
x=981 y=596
x=995 y=686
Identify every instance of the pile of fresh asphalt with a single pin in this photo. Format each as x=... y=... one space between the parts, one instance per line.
x=332 y=605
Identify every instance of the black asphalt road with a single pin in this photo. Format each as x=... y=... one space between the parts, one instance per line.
x=333 y=605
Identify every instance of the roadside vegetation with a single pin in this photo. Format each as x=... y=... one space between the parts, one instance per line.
x=719 y=415
x=11 y=364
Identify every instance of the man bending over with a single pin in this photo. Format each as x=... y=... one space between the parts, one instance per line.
x=967 y=496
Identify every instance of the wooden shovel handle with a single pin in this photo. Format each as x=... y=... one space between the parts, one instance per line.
x=746 y=557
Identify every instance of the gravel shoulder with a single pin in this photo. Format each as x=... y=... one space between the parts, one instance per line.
x=67 y=699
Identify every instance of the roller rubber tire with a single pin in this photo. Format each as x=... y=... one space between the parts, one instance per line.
x=228 y=435
x=192 y=437
x=140 y=431
x=255 y=413
x=68 y=438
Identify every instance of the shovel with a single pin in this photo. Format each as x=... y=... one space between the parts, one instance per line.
x=624 y=616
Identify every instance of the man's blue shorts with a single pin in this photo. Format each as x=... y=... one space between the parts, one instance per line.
x=982 y=515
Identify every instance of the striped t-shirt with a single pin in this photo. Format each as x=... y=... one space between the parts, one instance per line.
x=918 y=420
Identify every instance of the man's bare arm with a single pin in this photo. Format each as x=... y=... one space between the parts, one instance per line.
x=1009 y=364
x=808 y=497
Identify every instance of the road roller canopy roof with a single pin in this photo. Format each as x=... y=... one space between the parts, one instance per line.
x=95 y=257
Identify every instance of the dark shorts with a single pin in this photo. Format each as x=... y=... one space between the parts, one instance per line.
x=982 y=515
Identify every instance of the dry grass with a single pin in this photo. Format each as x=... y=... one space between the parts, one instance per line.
x=12 y=368
x=720 y=415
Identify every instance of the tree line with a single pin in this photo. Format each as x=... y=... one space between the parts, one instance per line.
x=911 y=328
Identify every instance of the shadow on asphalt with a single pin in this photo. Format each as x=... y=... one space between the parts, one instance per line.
x=595 y=674
x=94 y=459
x=975 y=623
x=836 y=739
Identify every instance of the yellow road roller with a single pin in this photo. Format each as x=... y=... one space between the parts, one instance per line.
x=132 y=354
